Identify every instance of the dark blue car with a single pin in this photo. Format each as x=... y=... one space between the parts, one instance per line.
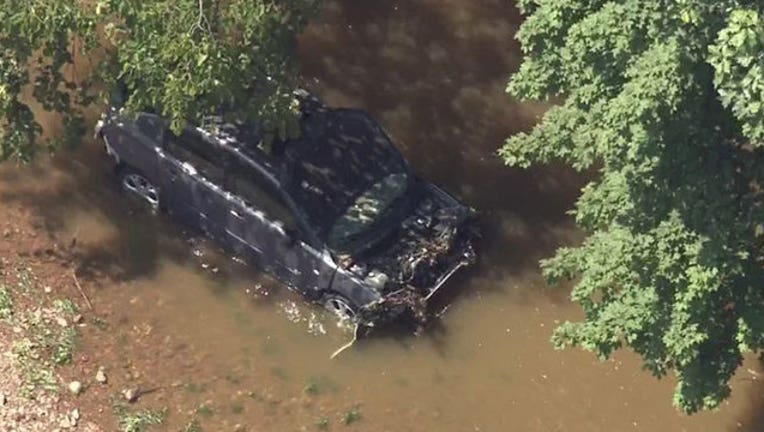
x=335 y=214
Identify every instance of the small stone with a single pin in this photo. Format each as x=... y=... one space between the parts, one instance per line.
x=3 y=399
x=77 y=319
x=75 y=387
x=131 y=394
x=61 y=322
x=48 y=289
x=101 y=376
x=66 y=423
x=6 y=233
x=70 y=420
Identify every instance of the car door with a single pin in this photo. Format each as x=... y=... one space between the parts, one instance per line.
x=267 y=232
x=135 y=142
x=192 y=182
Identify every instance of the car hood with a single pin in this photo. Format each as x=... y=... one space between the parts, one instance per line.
x=431 y=243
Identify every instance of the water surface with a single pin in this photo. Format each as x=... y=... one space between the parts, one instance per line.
x=228 y=346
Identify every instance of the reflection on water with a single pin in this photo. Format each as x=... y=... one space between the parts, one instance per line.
x=228 y=346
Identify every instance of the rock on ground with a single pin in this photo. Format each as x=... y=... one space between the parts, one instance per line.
x=45 y=412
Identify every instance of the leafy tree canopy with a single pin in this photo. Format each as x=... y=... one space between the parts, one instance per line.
x=665 y=99
x=183 y=58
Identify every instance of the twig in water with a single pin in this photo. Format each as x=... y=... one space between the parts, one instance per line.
x=347 y=345
x=79 y=288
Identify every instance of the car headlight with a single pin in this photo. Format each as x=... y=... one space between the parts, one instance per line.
x=376 y=280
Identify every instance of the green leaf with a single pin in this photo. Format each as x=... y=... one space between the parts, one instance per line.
x=663 y=100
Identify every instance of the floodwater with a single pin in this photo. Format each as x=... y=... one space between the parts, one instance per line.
x=223 y=344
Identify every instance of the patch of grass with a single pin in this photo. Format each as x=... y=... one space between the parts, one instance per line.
x=322 y=423
x=241 y=318
x=44 y=337
x=193 y=426
x=237 y=408
x=45 y=345
x=6 y=303
x=26 y=279
x=318 y=385
x=37 y=374
x=192 y=387
x=66 y=307
x=123 y=339
x=279 y=373
x=401 y=381
x=269 y=348
x=63 y=347
x=351 y=416
x=233 y=378
x=40 y=379
x=205 y=410
x=24 y=351
x=138 y=421
x=100 y=323
x=312 y=388
x=48 y=337
x=254 y=394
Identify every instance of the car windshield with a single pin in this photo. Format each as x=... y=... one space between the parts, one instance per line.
x=344 y=174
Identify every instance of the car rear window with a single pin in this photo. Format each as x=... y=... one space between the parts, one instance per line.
x=341 y=155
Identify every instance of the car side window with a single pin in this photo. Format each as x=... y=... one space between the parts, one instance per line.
x=191 y=147
x=150 y=125
x=258 y=194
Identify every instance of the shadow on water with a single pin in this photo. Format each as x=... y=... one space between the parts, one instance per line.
x=435 y=80
x=109 y=236
x=752 y=375
x=436 y=83
x=114 y=240
x=433 y=73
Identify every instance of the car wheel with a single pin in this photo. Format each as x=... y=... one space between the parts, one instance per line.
x=340 y=307
x=136 y=184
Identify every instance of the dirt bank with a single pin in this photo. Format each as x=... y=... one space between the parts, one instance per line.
x=39 y=324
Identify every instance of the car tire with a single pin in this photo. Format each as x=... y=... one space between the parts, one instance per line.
x=340 y=307
x=136 y=184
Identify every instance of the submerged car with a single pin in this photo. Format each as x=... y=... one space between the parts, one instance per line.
x=336 y=214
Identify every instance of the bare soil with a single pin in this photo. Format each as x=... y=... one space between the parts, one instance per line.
x=27 y=252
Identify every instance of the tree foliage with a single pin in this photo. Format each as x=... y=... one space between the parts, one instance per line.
x=183 y=58
x=665 y=99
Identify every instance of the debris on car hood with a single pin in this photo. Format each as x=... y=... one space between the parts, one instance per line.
x=432 y=243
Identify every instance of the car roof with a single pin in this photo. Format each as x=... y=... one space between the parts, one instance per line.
x=247 y=139
x=339 y=155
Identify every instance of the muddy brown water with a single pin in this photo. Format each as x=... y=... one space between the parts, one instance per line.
x=211 y=333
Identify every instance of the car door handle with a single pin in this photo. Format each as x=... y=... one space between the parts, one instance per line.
x=236 y=214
